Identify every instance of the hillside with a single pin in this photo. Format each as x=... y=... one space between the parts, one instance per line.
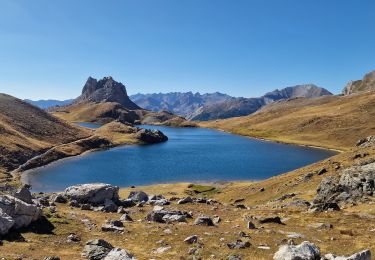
x=331 y=121
x=31 y=137
x=106 y=100
x=244 y=106
x=357 y=86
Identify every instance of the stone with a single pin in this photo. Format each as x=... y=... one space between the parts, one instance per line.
x=191 y=239
x=127 y=203
x=250 y=225
x=96 y=249
x=138 y=196
x=86 y=207
x=113 y=226
x=109 y=206
x=167 y=216
x=276 y=220
x=203 y=221
x=234 y=257
x=94 y=193
x=239 y=244
x=216 y=220
x=73 y=238
x=119 y=254
x=161 y=250
x=305 y=251
x=185 y=200
x=320 y=225
x=24 y=194
x=74 y=204
x=322 y=171
x=363 y=255
x=367 y=142
x=243 y=234
x=19 y=211
x=126 y=217
x=151 y=136
x=51 y=258
x=59 y=198
x=6 y=223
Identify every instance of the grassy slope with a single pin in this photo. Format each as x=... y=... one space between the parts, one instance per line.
x=26 y=131
x=332 y=122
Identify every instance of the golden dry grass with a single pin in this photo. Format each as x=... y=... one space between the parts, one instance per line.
x=334 y=122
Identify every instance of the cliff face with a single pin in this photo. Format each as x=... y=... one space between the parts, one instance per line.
x=356 y=86
x=106 y=90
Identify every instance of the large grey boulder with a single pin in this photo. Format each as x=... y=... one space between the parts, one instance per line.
x=119 y=254
x=305 y=251
x=21 y=212
x=353 y=185
x=6 y=223
x=96 y=249
x=363 y=255
x=138 y=196
x=94 y=193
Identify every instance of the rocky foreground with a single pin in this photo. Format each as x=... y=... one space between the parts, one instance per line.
x=322 y=211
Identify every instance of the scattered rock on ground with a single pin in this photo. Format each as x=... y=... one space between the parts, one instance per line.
x=119 y=254
x=191 y=239
x=138 y=196
x=276 y=220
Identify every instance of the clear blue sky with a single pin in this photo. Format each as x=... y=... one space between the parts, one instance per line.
x=242 y=47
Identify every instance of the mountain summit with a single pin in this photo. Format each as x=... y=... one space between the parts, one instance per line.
x=106 y=90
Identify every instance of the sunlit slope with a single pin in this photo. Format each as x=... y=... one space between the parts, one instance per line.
x=331 y=121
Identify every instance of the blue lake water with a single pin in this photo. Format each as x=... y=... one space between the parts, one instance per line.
x=190 y=155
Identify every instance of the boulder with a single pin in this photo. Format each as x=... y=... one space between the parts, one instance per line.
x=366 y=142
x=109 y=206
x=167 y=216
x=151 y=136
x=59 y=198
x=6 y=223
x=113 y=226
x=21 y=212
x=24 y=194
x=95 y=193
x=191 y=239
x=239 y=244
x=51 y=258
x=276 y=220
x=185 y=200
x=363 y=255
x=96 y=249
x=305 y=250
x=126 y=217
x=204 y=221
x=138 y=196
x=119 y=254
x=353 y=185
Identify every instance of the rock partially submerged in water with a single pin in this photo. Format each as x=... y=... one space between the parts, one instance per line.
x=93 y=193
x=15 y=213
x=151 y=136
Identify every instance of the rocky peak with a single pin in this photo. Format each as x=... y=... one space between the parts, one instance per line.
x=106 y=90
x=366 y=84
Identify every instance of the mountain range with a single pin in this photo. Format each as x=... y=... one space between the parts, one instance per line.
x=217 y=105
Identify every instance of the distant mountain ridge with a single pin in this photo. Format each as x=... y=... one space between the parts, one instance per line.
x=47 y=103
x=219 y=106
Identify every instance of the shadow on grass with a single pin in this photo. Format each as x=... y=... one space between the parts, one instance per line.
x=41 y=226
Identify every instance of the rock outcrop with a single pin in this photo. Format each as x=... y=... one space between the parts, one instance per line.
x=353 y=185
x=99 y=249
x=106 y=90
x=366 y=142
x=95 y=193
x=151 y=136
x=15 y=213
x=363 y=255
x=356 y=86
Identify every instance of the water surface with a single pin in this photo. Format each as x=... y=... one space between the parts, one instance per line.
x=190 y=155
